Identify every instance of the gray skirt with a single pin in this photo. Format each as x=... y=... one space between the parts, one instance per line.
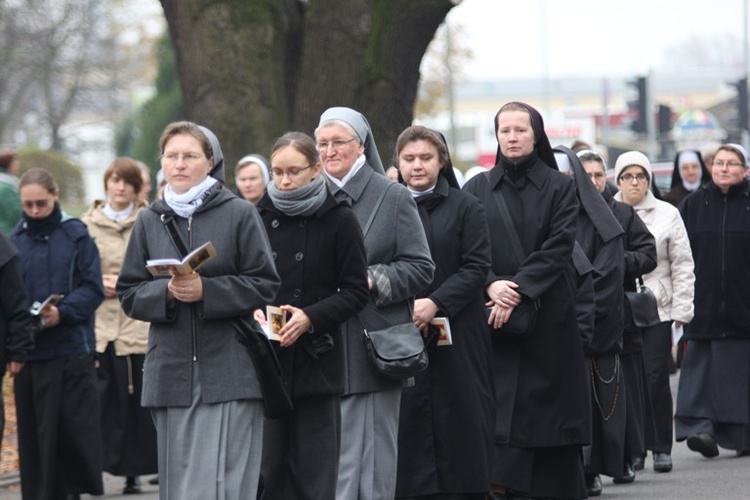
x=714 y=392
x=209 y=451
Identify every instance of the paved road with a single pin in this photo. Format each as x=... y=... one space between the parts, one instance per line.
x=693 y=478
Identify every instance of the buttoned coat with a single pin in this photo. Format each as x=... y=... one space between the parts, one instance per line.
x=240 y=279
x=397 y=250
x=323 y=267
x=541 y=382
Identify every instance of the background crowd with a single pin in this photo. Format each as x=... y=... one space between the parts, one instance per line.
x=137 y=374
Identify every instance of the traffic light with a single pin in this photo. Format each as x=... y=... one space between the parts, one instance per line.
x=638 y=107
x=665 y=119
x=741 y=103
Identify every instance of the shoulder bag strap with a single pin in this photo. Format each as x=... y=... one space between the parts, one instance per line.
x=505 y=214
x=174 y=234
x=375 y=211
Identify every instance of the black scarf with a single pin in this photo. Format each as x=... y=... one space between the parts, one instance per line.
x=43 y=227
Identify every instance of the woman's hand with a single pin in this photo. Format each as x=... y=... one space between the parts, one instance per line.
x=51 y=316
x=109 y=281
x=14 y=367
x=499 y=314
x=503 y=293
x=424 y=311
x=259 y=316
x=186 y=288
x=295 y=326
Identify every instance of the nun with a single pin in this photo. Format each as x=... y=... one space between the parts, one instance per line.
x=251 y=176
x=399 y=267
x=688 y=175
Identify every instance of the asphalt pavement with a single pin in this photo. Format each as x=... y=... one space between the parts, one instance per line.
x=725 y=477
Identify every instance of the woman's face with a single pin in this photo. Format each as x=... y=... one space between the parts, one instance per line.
x=633 y=184
x=514 y=134
x=120 y=194
x=595 y=171
x=419 y=164
x=37 y=202
x=184 y=163
x=690 y=172
x=338 y=160
x=291 y=169
x=250 y=182
x=728 y=170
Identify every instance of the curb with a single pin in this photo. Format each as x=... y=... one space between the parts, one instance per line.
x=9 y=479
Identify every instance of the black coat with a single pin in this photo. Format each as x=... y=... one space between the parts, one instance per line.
x=541 y=384
x=447 y=419
x=640 y=259
x=17 y=326
x=323 y=268
x=718 y=226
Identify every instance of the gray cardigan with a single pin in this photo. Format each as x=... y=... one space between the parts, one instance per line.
x=397 y=251
x=239 y=279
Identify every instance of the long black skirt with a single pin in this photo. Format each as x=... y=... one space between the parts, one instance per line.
x=554 y=472
x=640 y=414
x=59 y=431
x=128 y=429
x=714 y=392
x=606 y=454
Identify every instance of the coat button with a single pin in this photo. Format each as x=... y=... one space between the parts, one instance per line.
x=299 y=256
x=275 y=223
x=302 y=223
x=297 y=292
x=274 y=255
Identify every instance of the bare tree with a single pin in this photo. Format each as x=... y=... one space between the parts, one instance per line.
x=255 y=69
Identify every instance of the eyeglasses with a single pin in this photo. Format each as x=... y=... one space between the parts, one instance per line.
x=336 y=145
x=190 y=158
x=630 y=177
x=29 y=204
x=727 y=164
x=292 y=172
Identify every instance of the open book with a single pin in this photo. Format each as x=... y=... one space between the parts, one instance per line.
x=275 y=321
x=191 y=262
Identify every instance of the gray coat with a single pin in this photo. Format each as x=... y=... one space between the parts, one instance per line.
x=240 y=278
x=397 y=251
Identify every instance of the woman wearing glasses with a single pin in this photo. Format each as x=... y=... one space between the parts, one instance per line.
x=399 y=267
x=320 y=256
x=59 y=428
x=713 y=398
x=198 y=380
x=672 y=283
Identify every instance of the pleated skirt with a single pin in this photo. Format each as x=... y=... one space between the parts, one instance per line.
x=209 y=451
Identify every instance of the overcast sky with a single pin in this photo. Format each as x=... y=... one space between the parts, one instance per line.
x=588 y=37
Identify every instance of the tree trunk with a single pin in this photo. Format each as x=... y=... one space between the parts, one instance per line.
x=252 y=70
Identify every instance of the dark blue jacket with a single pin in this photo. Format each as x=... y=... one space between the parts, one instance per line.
x=57 y=255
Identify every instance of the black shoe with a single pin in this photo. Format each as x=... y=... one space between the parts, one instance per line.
x=72 y=496
x=154 y=480
x=594 y=485
x=638 y=463
x=742 y=453
x=704 y=443
x=628 y=475
x=132 y=485
x=662 y=462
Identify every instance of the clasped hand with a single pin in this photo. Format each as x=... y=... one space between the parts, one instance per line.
x=503 y=299
x=185 y=288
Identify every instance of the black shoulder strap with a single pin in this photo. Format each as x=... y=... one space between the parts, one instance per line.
x=174 y=234
x=375 y=211
x=505 y=214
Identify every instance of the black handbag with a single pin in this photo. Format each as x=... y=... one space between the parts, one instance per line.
x=397 y=352
x=641 y=309
x=522 y=321
x=276 y=399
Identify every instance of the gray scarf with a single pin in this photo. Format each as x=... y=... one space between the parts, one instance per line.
x=303 y=201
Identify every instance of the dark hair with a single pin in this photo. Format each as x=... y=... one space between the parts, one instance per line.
x=301 y=142
x=6 y=158
x=188 y=128
x=126 y=169
x=420 y=133
x=41 y=177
